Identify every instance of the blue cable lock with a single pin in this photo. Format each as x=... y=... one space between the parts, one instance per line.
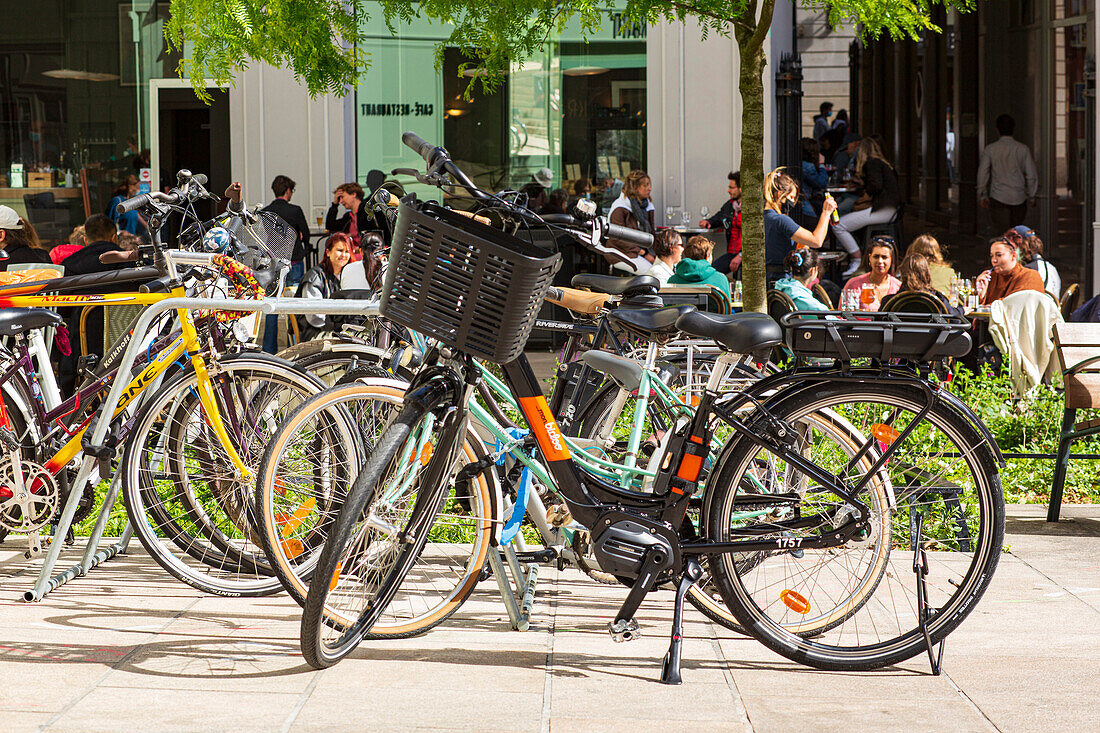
x=519 y=509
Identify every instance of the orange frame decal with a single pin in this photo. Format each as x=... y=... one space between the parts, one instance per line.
x=545 y=427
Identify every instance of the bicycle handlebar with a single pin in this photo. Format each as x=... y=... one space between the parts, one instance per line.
x=175 y=198
x=419 y=145
x=613 y=231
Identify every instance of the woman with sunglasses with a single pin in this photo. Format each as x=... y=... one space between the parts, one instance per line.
x=882 y=256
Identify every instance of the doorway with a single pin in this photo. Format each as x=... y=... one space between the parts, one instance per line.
x=186 y=133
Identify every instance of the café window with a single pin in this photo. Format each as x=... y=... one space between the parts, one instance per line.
x=73 y=105
x=577 y=109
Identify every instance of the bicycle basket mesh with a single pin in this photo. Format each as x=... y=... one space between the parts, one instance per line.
x=470 y=286
x=269 y=242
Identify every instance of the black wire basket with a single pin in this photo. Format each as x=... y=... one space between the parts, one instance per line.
x=468 y=285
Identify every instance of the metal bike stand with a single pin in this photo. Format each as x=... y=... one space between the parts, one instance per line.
x=515 y=580
x=92 y=555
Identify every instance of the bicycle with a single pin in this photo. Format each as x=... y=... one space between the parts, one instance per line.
x=810 y=499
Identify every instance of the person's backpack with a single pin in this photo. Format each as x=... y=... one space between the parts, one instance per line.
x=1087 y=313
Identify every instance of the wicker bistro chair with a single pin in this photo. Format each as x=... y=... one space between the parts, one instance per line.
x=1071 y=299
x=913 y=302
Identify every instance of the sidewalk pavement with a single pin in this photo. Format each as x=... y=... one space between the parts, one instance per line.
x=129 y=648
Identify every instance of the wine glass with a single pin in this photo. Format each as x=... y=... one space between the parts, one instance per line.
x=704 y=212
x=669 y=211
x=685 y=218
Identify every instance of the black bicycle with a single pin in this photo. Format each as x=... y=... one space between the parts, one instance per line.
x=852 y=520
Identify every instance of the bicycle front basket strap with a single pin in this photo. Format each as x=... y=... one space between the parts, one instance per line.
x=469 y=285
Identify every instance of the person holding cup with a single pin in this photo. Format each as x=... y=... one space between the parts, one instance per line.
x=874 y=286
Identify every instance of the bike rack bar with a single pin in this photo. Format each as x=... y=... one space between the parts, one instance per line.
x=46 y=582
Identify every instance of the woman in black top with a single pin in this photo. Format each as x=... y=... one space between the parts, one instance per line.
x=880 y=186
x=19 y=240
x=323 y=280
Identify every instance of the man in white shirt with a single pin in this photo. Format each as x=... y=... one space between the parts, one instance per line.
x=1007 y=179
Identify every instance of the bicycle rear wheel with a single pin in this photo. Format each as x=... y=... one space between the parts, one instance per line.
x=187 y=505
x=949 y=514
x=303 y=480
x=364 y=568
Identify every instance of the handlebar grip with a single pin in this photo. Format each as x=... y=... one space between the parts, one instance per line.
x=200 y=178
x=137 y=202
x=422 y=147
x=614 y=231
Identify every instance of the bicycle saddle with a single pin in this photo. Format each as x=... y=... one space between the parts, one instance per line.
x=15 y=321
x=741 y=333
x=650 y=323
x=625 y=286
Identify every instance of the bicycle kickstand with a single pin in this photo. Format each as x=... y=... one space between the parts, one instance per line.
x=670 y=669
x=925 y=613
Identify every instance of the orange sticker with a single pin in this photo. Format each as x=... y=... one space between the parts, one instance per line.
x=545 y=427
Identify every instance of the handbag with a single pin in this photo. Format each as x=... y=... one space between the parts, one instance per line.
x=863 y=202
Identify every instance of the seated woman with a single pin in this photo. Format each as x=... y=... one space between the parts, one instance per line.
x=941 y=271
x=695 y=269
x=880 y=185
x=1007 y=275
x=669 y=248
x=322 y=281
x=802 y=268
x=881 y=256
x=781 y=232
x=633 y=210
x=1031 y=255
x=916 y=277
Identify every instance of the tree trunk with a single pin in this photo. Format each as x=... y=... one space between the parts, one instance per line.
x=750 y=43
x=752 y=179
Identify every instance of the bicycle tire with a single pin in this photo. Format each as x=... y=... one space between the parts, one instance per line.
x=944 y=470
x=196 y=525
x=304 y=475
x=365 y=548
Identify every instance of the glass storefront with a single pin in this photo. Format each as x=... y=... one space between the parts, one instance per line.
x=74 y=118
x=578 y=109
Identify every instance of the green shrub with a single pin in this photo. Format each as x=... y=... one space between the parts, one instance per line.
x=1030 y=426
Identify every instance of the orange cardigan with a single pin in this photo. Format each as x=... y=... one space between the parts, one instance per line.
x=1020 y=278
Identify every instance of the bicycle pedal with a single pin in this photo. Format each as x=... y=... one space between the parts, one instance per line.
x=623 y=630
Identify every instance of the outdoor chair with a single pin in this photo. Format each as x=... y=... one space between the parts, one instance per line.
x=1071 y=299
x=1077 y=346
x=893 y=228
x=704 y=297
x=913 y=302
x=820 y=294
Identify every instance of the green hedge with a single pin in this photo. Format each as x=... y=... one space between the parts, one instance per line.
x=1030 y=426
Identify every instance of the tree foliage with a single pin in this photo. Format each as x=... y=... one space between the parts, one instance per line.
x=317 y=40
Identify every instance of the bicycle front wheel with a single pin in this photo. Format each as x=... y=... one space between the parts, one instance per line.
x=304 y=479
x=947 y=517
x=371 y=569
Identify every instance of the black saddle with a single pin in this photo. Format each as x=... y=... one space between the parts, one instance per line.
x=625 y=286
x=650 y=323
x=14 y=321
x=741 y=333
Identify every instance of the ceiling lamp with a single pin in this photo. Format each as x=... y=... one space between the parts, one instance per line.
x=79 y=75
x=585 y=71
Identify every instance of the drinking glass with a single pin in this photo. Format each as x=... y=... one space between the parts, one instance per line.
x=867 y=294
x=704 y=212
x=685 y=217
x=668 y=214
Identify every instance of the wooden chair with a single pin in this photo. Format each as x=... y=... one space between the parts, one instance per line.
x=820 y=294
x=913 y=302
x=1078 y=348
x=1070 y=301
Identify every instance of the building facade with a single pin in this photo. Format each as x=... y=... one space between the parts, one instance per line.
x=89 y=96
x=935 y=101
